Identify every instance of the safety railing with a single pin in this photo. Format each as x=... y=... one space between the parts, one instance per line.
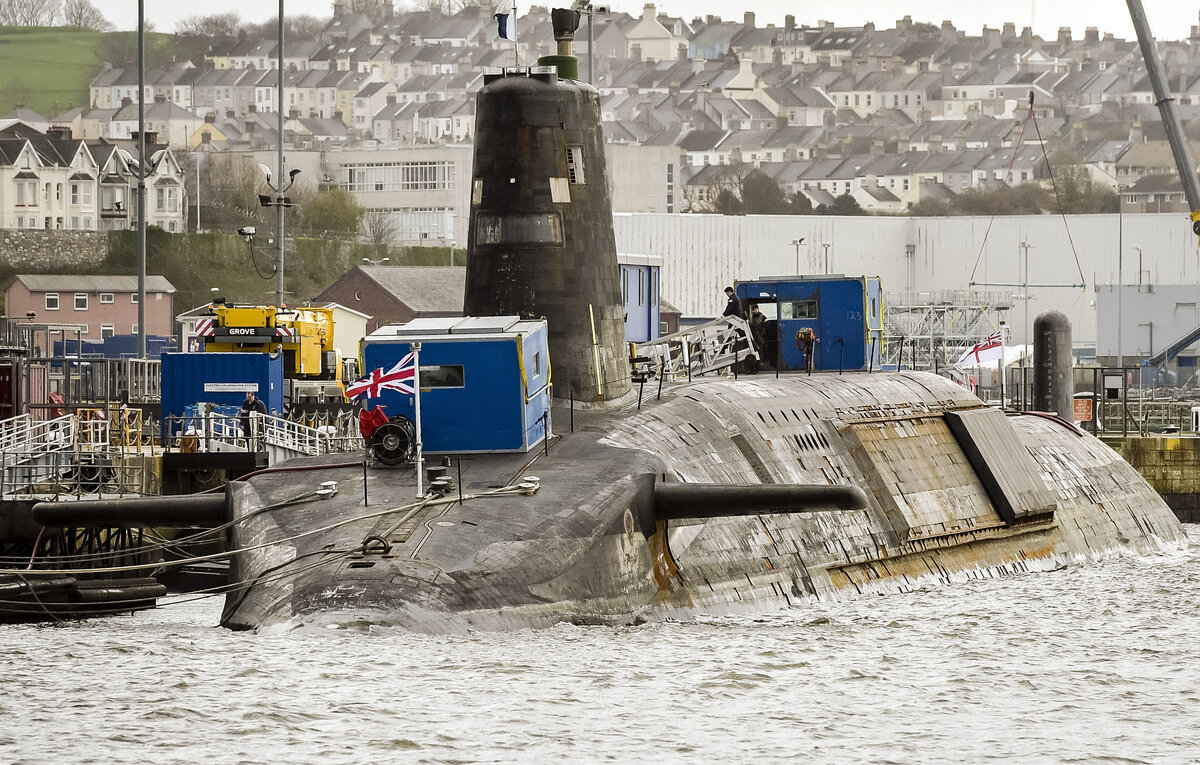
x=695 y=351
x=23 y=434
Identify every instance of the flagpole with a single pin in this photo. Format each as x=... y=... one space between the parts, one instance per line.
x=516 y=46
x=1001 y=365
x=416 y=351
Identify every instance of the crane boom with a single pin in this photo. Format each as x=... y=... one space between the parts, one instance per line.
x=1166 y=109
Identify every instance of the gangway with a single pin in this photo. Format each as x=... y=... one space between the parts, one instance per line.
x=1173 y=349
x=698 y=350
x=279 y=437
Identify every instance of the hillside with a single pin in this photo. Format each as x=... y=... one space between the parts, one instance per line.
x=49 y=69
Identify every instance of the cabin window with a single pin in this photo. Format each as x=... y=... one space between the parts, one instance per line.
x=641 y=287
x=442 y=376
x=51 y=301
x=575 y=164
x=537 y=364
x=539 y=228
x=798 y=309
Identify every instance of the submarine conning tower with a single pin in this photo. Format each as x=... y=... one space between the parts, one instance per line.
x=541 y=236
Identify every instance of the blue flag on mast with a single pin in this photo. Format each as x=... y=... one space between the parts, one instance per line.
x=506 y=26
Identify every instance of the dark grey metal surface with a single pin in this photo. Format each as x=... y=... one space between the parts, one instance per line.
x=1003 y=465
x=1053 y=386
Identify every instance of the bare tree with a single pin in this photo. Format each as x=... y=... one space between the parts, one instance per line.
x=81 y=13
x=380 y=229
x=29 y=13
x=214 y=25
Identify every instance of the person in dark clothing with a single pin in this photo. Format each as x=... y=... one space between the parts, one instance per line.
x=734 y=306
x=251 y=404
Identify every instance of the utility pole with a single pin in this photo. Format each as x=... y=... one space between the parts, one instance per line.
x=141 y=194
x=797 y=243
x=279 y=192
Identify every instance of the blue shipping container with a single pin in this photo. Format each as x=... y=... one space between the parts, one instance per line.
x=220 y=378
x=485 y=381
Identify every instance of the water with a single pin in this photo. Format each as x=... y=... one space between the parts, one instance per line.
x=1084 y=664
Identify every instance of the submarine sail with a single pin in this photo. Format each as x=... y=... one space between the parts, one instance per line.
x=541 y=236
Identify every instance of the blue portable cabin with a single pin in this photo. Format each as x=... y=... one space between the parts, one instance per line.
x=641 y=296
x=219 y=378
x=485 y=381
x=844 y=312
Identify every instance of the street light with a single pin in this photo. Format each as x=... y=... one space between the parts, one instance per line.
x=279 y=201
x=826 y=246
x=797 y=243
x=375 y=262
x=452 y=246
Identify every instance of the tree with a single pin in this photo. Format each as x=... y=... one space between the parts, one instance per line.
x=727 y=203
x=843 y=205
x=931 y=207
x=761 y=195
x=800 y=204
x=218 y=25
x=29 y=13
x=1078 y=193
x=380 y=229
x=82 y=14
x=333 y=211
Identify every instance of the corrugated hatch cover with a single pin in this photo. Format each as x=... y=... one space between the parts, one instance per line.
x=1008 y=472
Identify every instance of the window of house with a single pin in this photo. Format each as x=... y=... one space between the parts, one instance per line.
x=106 y=298
x=81 y=301
x=133 y=297
x=134 y=331
x=74 y=221
x=74 y=193
x=87 y=222
x=107 y=330
x=51 y=301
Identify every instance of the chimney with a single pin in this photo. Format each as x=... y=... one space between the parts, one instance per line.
x=210 y=118
x=294 y=113
x=250 y=126
x=904 y=23
x=391 y=98
x=789 y=22
x=252 y=108
x=1091 y=36
x=648 y=13
x=748 y=18
x=1064 y=35
x=948 y=33
x=337 y=116
x=125 y=101
x=1027 y=36
x=339 y=9
x=991 y=38
x=160 y=99
x=1008 y=32
x=230 y=113
x=206 y=137
x=697 y=22
x=698 y=65
x=58 y=133
x=710 y=19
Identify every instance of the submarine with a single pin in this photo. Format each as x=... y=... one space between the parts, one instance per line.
x=518 y=481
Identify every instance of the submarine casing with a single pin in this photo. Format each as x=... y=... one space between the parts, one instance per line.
x=541 y=237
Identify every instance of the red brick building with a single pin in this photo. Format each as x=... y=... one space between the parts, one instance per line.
x=104 y=305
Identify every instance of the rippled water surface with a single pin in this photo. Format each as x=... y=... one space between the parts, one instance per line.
x=1084 y=664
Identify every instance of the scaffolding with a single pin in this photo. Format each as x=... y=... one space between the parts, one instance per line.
x=929 y=330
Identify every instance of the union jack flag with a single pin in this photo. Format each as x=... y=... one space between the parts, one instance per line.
x=398 y=378
x=988 y=349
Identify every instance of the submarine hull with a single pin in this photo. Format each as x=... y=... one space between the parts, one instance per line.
x=586 y=547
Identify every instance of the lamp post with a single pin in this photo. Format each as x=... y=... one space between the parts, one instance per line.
x=797 y=243
x=141 y=194
x=826 y=246
x=452 y=246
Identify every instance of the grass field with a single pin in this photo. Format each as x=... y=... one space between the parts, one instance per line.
x=47 y=68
